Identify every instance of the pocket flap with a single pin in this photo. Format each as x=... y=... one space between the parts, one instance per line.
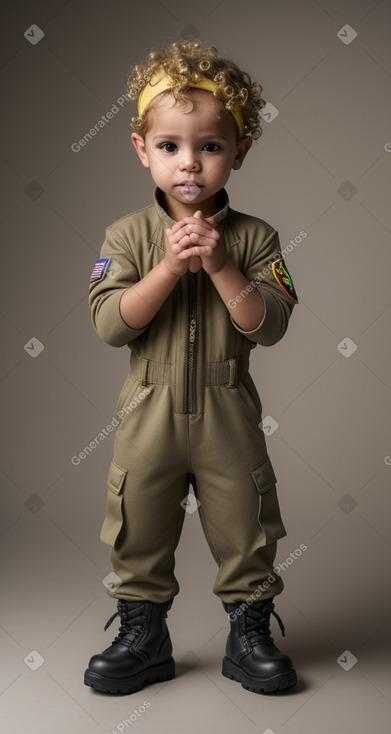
x=116 y=478
x=263 y=475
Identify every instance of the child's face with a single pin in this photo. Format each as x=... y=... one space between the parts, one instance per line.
x=193 y=145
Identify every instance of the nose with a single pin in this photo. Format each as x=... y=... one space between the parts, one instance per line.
x=189 y=160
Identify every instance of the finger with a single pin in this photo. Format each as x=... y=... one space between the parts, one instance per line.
x=192 y=224
x=196 y=240
x=201 y=228
x=177 y=226
x=183 y=243
x=190 y=251
x=204 y=237
x=184 y=240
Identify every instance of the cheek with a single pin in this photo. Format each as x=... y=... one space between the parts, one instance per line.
x=164 y=171
x=158 y=167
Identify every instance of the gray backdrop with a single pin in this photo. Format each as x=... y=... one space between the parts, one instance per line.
x=321 y=167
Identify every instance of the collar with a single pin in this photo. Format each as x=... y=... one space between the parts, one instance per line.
x=169 y=222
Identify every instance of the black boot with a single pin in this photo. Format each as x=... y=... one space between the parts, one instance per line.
x=251 y=658
x=141 y=653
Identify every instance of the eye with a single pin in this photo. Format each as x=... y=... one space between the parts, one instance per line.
x=212 y=144
x=171 y=147
x=163 y=147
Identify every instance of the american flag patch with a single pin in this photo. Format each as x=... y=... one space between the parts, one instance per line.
x=99 y=269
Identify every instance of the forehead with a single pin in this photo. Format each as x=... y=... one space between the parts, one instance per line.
x=199 y=104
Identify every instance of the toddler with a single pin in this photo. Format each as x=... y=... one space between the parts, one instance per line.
x=191 y=286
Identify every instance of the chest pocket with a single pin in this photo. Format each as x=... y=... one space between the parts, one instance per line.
x=113 y=521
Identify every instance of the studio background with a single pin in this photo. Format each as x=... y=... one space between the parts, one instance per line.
x=322 y=167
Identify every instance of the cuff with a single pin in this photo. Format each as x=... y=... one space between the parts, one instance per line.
x=110 y=325
x=253 y=331
x=274 y=323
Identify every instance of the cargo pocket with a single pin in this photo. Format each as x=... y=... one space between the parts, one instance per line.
x=114 y=519
x=269 y=517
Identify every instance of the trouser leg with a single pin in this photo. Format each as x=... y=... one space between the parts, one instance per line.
x=238 y=544
x=148 y=479
x=143 y=556
x=236 y=486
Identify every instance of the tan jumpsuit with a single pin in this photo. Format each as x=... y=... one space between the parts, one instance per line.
x=189 y=411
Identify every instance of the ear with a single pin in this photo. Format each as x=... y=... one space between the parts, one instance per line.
x=139 y=144
x=242 y=147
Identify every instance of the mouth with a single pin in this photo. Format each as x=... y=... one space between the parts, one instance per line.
x=189 y=187
x=189 y=182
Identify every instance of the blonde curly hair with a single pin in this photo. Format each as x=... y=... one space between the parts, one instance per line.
x=188 y=60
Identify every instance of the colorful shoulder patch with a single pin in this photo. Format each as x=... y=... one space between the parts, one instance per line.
x=99 y=269
x=281 y=274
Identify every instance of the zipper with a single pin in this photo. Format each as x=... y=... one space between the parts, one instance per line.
x=192 y=280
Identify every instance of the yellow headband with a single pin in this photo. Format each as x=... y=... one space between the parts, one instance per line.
x=160 y=82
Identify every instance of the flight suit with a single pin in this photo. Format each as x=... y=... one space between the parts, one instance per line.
x=189 y=412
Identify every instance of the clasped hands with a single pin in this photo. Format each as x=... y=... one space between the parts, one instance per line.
x=193 y=243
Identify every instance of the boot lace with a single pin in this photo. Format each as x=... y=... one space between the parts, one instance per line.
x=258 y=623
x=128 y=627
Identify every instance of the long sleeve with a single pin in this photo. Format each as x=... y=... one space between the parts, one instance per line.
x=277 y=291
x=114 y=273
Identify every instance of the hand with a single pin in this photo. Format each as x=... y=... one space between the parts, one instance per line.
x=173 y=264
x=200 y=243
x=179 y=238
x=195 y=262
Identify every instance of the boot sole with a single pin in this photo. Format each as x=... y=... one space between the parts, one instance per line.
x=268 y=685
x=161 y=672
